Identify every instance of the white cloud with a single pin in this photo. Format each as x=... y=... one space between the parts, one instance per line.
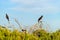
x=35 y=6
x=23 y=1
x=37 y=9
x=30 y=1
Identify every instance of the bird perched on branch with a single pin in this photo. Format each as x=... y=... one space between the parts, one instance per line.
x=40 y=18
x=7 y=17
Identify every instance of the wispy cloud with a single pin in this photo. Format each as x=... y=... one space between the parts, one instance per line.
x=36 y=6
x=37 y=9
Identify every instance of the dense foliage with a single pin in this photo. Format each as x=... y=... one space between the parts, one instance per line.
x=6 y=34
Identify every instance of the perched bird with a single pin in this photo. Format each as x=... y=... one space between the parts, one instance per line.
x=40 y=18
x=7 y=17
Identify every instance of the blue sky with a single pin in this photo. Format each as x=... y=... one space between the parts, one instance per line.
x=28 y=11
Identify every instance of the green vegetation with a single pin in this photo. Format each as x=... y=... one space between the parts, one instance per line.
x=6 y=34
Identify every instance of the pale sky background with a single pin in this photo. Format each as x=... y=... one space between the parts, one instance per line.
x=28 y=11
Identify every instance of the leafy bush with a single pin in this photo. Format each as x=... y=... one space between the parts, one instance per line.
x=6 y=34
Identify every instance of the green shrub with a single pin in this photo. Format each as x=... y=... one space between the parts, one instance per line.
x=6 y=34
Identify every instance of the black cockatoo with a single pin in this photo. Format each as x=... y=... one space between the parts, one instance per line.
x=40 y=18
x=7 y=17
